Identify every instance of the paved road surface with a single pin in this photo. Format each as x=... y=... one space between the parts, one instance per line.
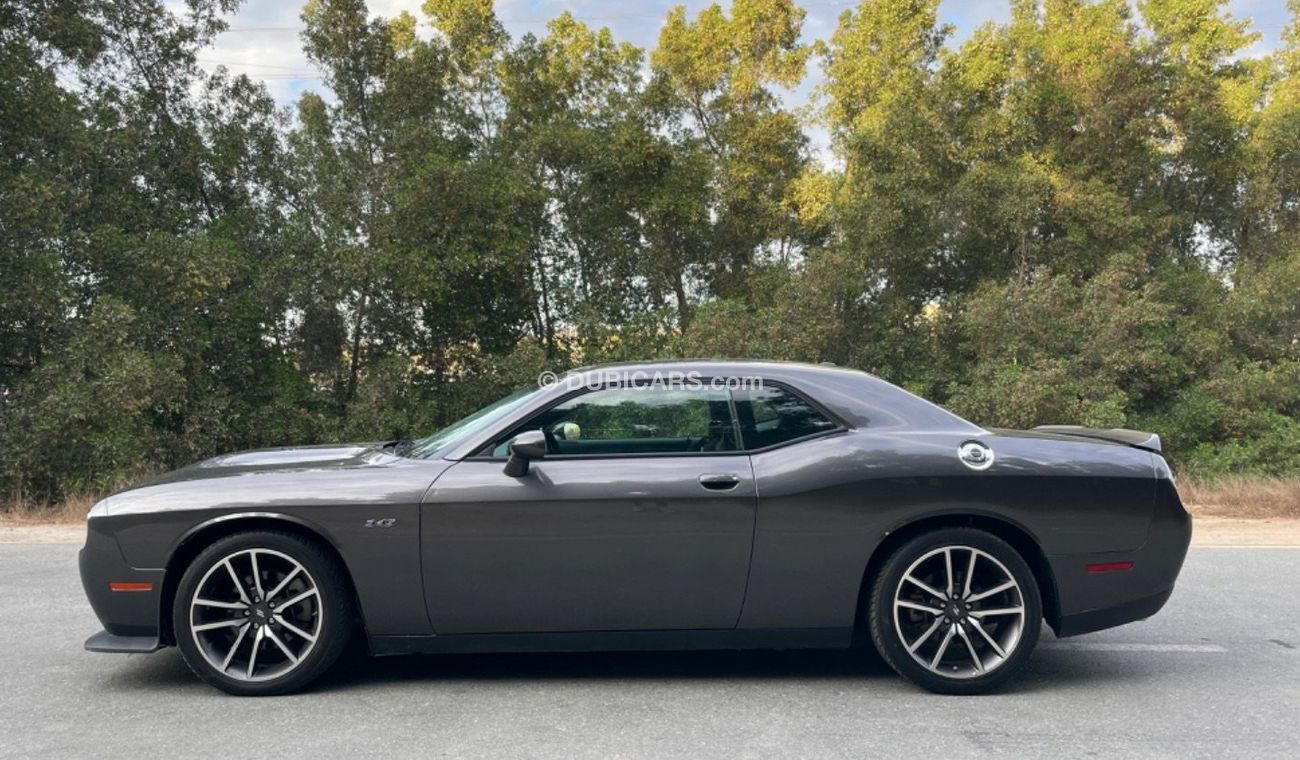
x=1216 y=674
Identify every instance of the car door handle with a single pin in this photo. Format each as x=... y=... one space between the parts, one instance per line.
x=720 y=481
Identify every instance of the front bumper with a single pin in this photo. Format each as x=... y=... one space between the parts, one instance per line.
x=1092 y=601
x=111 y=643
x=133 y=612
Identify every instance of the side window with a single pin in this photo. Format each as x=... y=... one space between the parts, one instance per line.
x=636 y=420
x=772 y=415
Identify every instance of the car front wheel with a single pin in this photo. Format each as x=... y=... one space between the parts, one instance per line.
x=956 y=611
x=262 y=613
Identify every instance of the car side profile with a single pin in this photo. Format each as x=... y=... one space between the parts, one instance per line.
x=679 y=505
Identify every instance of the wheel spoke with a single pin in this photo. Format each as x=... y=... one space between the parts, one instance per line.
x=974 y=658
x=927 y=588
x=294 y=629
x=998 y=589
x=221 y=605
x=996 y=647
x=252 y=656
x=285 y=582
x=988 y=636
x=914 y=606
x=970 y=573
x=298 y=598
x=229 y=625
x=981 y=614
x=257 y=575
x=235 y=579
x=270 y=634
x=239 y=639
x=220 y=624
x=915 y=645
x=943 y=647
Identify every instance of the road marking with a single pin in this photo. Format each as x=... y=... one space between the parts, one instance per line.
x=1238 y=547
x=1107 y=646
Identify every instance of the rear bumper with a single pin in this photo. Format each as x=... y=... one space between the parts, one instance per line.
x=124 y=613
x=1109 y=617
x=1091 y=601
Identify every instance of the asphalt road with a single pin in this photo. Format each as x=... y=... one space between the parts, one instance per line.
x=1216 y=674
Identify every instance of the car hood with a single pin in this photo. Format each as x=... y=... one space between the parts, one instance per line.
x=288 y=458
x=268 y=480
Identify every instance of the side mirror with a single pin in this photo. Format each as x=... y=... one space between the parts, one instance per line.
x=525 y=447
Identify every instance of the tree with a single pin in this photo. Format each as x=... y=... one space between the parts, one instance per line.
x=149 y=217
x=714 y=76
x=1087 y=214
x=410 y=237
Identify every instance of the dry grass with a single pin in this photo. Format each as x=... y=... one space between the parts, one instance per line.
x=1242 y=496
x=71 y=511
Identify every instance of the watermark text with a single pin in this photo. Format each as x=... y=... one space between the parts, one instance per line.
x=668 y=379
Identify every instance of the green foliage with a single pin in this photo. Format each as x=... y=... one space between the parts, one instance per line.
x=1088 y=214
x=84 y=418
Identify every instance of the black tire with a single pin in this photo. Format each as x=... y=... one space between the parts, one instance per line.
x=330 y=610
x=922 y=553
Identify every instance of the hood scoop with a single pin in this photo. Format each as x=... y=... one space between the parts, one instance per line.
x=284 y=457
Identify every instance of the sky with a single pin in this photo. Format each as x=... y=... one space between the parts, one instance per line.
x=263 y=40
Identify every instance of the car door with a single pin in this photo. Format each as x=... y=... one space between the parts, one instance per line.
x=640 y=517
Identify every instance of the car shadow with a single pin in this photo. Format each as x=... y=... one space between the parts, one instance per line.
x=1050 y=668
x=1064 y=668
x=165 y=669
x=357 y=670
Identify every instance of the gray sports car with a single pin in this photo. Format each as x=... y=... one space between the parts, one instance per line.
x=691 y=505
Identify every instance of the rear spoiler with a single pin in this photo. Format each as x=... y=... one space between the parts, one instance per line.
x=1138 y=439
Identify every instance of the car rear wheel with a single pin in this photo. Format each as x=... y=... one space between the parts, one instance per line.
x=262 y=613
x=956 y=611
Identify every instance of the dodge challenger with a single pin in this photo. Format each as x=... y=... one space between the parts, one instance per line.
x=681 y=505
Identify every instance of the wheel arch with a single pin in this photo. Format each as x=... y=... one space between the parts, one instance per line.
x=1016 y=535
x=203 y=535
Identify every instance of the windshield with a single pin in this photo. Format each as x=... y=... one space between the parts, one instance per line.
x=488 y=415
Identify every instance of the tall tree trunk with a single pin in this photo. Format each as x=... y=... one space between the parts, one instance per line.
x=683 y=307
x=354 y=370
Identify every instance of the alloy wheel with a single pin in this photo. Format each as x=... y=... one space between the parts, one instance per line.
x=256 y=614
x=959 y=612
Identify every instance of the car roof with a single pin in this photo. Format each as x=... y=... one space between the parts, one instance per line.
x=856 y=398
x=727 y=365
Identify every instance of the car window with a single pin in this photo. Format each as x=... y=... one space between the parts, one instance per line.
x=488 y=415
x=647 y=419
x=772 y=415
